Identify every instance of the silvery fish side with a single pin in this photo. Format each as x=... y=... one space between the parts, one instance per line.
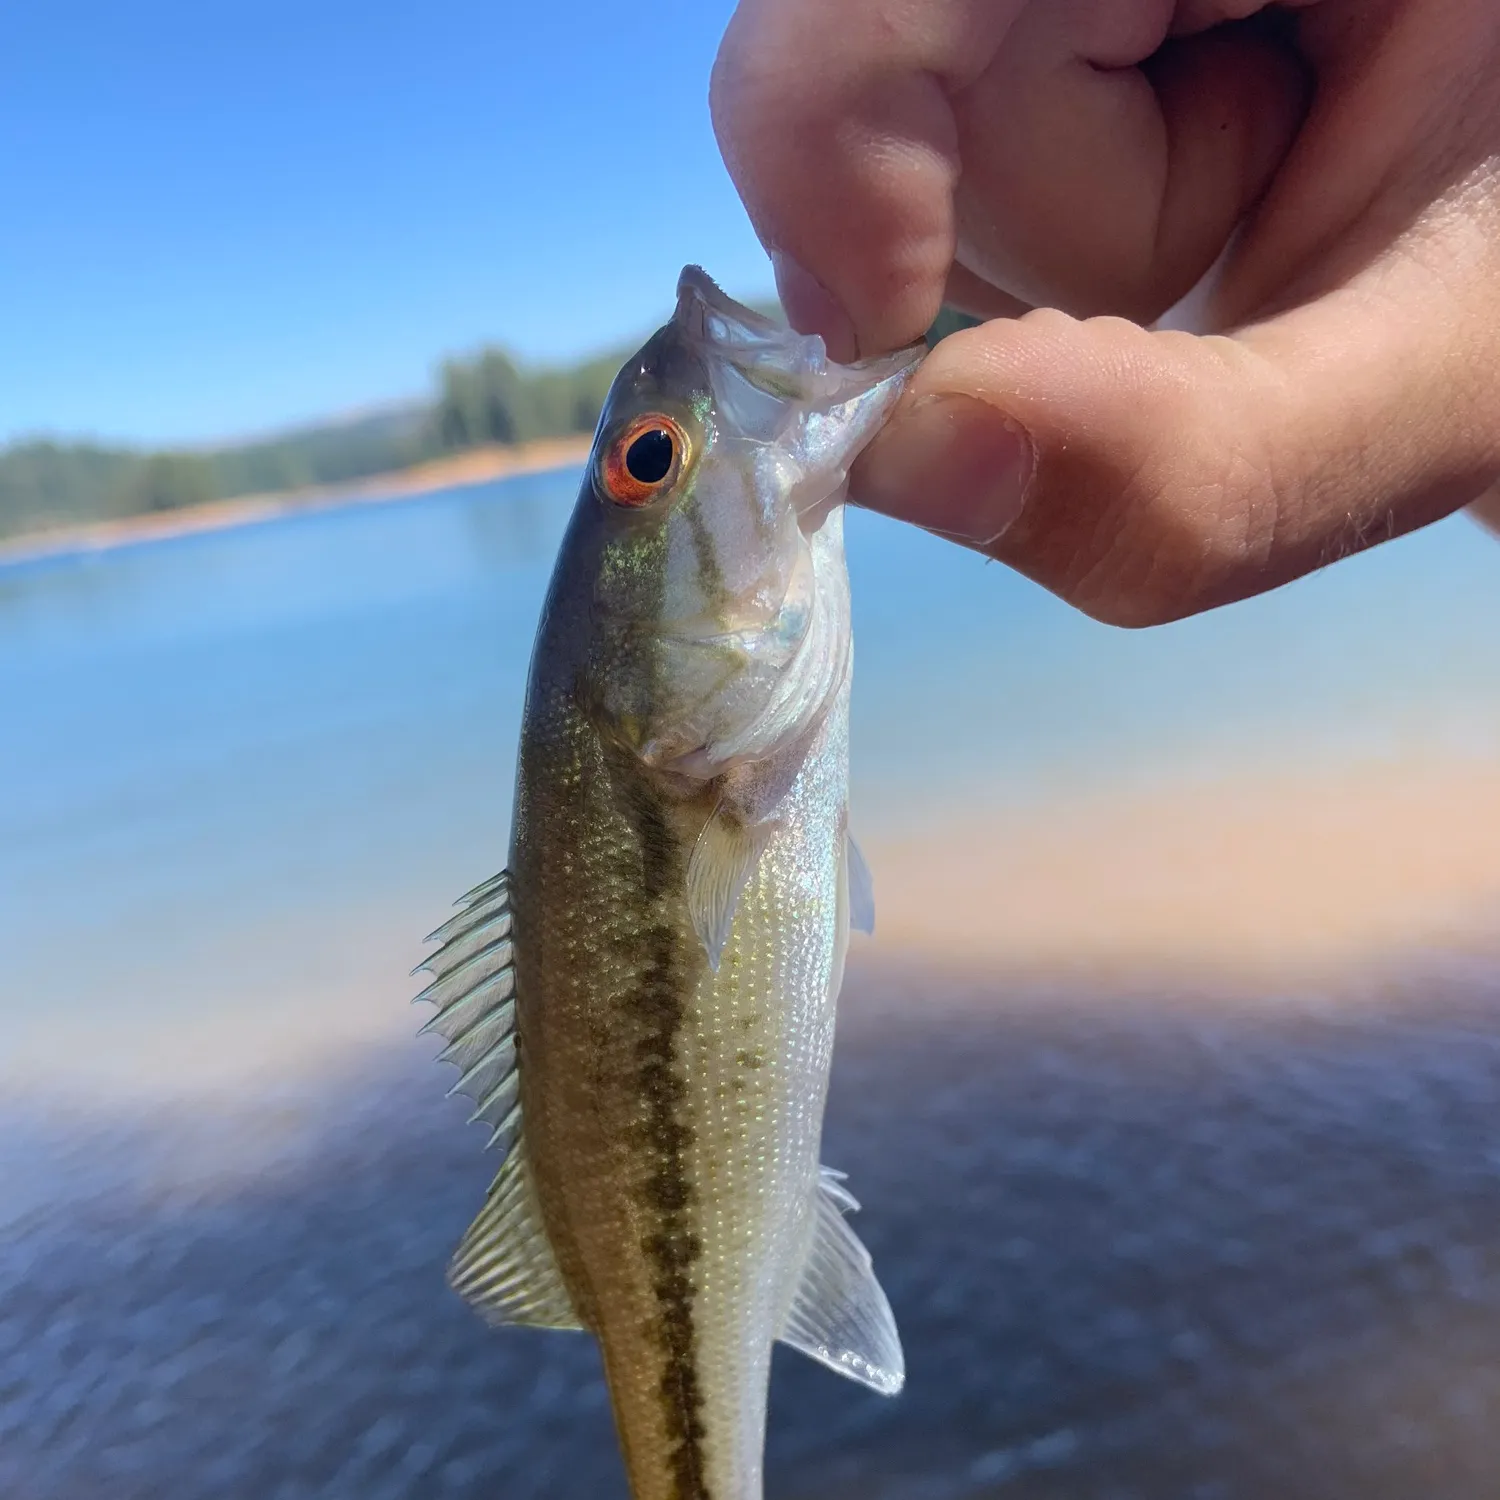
x=642 y=1006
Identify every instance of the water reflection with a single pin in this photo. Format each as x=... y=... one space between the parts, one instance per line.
x=523 y=532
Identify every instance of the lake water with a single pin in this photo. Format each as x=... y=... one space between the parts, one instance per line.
x=1138 y=1245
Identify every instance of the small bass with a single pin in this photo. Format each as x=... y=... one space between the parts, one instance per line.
x=642 y=1004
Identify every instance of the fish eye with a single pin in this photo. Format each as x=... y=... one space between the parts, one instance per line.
x=649 y=457
x=644 y=459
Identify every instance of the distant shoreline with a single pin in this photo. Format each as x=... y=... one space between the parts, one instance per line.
x=476 y=466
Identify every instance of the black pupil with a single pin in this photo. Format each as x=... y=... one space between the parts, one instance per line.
x=649 y=457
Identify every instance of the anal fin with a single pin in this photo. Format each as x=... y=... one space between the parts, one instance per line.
x=840 y=1316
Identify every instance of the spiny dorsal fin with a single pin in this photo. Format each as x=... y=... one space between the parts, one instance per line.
x=840 y=1316
x=504 y=1264
x=473 y=986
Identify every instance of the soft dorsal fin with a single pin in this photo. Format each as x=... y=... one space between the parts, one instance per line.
x=504 y=1265
x=840 y=1316
x=861 y=889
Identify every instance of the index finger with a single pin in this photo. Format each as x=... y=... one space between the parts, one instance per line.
x=835 y=123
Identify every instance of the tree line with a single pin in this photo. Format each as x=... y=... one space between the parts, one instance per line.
x=483 y=398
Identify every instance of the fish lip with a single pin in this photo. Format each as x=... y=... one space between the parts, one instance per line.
x=698 y=295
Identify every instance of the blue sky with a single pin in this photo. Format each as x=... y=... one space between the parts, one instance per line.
x=221 y=218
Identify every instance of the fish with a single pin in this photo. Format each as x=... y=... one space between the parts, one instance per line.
x=642 y=1003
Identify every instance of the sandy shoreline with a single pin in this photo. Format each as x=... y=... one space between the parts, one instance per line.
x=1231 y=896
x=477 y=466
x=1292 y=876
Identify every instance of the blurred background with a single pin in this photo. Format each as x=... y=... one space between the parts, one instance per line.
x=1171 y=1083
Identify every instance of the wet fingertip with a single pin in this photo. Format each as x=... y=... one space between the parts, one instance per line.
x=811 y=308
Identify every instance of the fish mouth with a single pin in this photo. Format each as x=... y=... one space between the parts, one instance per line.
x=707 y=312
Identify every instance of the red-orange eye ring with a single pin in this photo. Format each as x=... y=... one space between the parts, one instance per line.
x=644 y=459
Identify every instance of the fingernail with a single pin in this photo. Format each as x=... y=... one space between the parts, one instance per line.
x=812 y=308
x=952 y=464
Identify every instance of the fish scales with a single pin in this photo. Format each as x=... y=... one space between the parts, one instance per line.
x=679 y=897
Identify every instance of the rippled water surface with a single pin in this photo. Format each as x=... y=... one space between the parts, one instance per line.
x=1151 y=1243
x=1134 y=1252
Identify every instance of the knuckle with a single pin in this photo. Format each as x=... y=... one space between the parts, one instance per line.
x=1176 y=531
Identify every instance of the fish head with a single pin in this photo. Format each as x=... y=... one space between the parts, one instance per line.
x=711 y=515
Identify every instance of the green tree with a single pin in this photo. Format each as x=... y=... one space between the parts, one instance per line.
x=43 y=483
x=482 y=400
x=168 y=481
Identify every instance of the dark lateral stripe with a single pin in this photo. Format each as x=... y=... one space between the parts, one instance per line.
x=669 y=969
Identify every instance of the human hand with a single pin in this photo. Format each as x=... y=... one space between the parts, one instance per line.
x=1090 y=159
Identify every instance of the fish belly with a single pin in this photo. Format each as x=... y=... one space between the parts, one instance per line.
x=673 y=1118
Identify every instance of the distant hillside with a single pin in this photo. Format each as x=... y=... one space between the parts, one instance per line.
x=45 y=483
x=482 y=398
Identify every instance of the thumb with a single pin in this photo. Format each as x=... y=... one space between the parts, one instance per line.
x=1144 y=476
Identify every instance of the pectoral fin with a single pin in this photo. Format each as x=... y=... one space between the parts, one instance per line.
x=840 y=1316
x=723 y=859
x=861 y=890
